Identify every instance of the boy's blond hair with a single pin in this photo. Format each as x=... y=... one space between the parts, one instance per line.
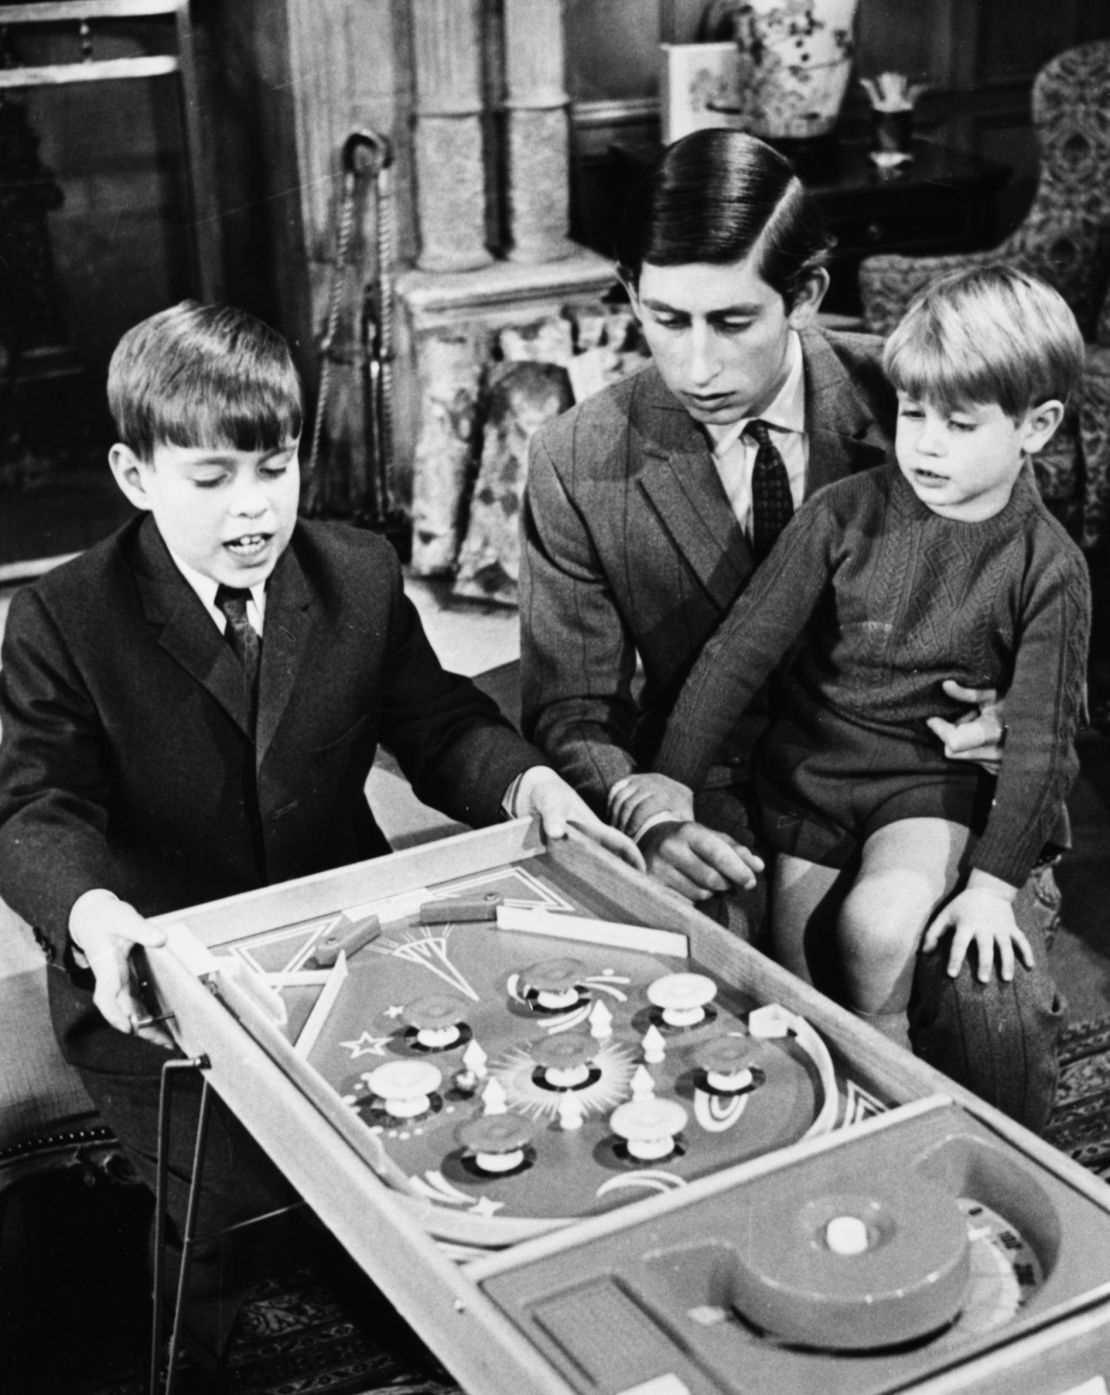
x=204 y=376
x=987 y=334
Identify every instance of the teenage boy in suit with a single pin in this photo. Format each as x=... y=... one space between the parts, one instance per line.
x=190 y=710
x=648 y=508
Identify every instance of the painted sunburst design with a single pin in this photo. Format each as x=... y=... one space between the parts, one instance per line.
x=515 y=1069
x=431 y=953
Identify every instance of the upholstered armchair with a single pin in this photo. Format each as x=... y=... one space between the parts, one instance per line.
x=1065 y=239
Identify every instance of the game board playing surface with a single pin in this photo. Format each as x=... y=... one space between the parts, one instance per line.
x=528 y=1072
x=646 y=1172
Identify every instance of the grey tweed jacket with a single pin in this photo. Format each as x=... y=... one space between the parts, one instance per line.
x=631 y=554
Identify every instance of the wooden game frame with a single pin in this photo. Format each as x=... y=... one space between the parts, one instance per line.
x=344 y=1174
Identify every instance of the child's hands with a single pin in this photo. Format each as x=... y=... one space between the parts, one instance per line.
x=544 y=793
x=637 y=798
x=982 y=914
x=106 y=930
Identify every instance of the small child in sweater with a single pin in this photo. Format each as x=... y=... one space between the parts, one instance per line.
x=882 y=586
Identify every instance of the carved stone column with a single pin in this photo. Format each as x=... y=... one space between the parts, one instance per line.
x=450 y=177
x=537 y=131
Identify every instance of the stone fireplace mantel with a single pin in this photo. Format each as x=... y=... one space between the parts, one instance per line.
x=461 y=336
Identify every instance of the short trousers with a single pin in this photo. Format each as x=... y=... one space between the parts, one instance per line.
x=825 y=785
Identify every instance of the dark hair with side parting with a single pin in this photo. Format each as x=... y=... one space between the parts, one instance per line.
x=205 y=376
x=715 y=196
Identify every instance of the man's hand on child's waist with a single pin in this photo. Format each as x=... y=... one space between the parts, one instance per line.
x=105 y=930
x=977 y=736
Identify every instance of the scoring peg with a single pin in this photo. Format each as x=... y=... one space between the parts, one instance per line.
x=601 y=1021
x=727 y=1064
x=494 y=1099
x=648 y=1126
x=642 y=1083
x=554 y=984
x=571 y=1114
x=404 y=1087
x=682 y=998
x=496 y=1141
x=436 y=1018
x=654 y=1046
x=565 y=1059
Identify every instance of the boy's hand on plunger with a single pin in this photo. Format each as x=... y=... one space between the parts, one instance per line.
x=105 y=930
x=548 y=796
x=981 y=915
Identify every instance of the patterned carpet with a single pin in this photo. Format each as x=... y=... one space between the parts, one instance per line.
x=1080 y=1123
x=74 y=1309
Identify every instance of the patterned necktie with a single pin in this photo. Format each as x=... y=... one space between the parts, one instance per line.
x=245 y=642
x=772 y=504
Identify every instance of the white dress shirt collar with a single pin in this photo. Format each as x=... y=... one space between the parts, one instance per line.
x=206 y=588
x=787 y=409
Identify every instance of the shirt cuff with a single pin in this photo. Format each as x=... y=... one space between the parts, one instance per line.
x=653 y=822
x=518 y=795
x=633 y=830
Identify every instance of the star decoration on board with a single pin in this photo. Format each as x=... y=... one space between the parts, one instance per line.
x=366 y=1045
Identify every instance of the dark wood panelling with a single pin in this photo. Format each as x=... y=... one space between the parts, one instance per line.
x=979 y=57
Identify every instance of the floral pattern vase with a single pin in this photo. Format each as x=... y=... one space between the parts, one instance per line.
x=795 y=62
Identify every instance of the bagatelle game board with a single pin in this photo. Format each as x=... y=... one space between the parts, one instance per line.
x=588 y=1141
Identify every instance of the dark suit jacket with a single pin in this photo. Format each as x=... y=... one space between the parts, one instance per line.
x=127 y=759
x=631 y=550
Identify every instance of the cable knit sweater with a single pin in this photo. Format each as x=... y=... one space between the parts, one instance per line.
x=892 y=600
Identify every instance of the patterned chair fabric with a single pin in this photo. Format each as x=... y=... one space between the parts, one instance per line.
x=1065 y=239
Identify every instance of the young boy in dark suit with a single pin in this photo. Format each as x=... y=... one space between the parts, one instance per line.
x=190 y=710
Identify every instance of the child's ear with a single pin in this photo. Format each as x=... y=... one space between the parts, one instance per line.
x=1040 y=424
x=128 y=471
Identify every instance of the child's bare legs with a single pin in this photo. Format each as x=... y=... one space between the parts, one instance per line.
x=907 y=870
x=805 y=899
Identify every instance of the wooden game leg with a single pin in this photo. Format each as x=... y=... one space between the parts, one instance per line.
x=189 y=1239
x=170 y=1069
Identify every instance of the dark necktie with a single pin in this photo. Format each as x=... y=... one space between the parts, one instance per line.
x=240 y=634
x=772 y=504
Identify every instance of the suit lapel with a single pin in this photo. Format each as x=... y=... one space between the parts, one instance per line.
x=838 y=425
x=288 y=624
x=679 y=478
x=187 y=632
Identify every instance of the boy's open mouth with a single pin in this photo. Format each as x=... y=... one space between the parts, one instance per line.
x=248 y=544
